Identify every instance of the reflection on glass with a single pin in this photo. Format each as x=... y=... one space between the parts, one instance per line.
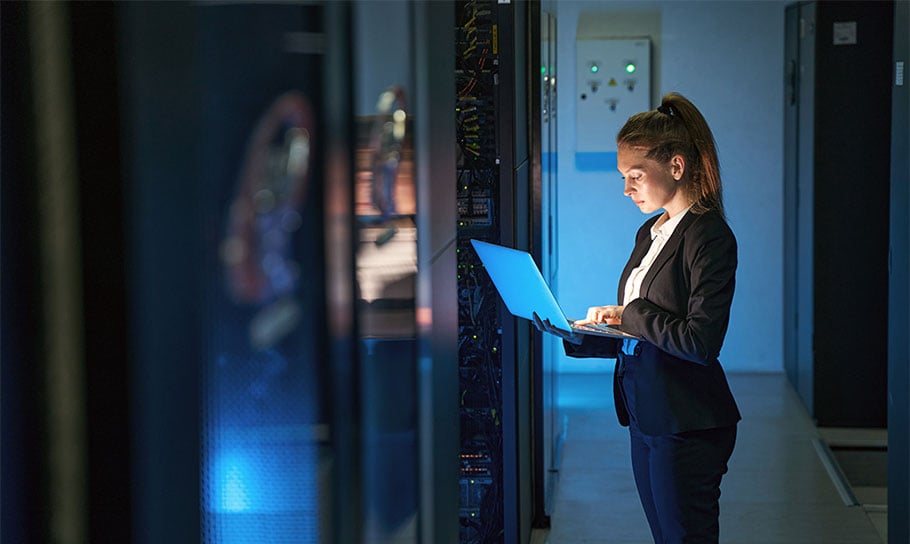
x=262 y=426
x=386 y=266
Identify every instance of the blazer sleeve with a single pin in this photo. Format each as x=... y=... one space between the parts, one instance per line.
x=709 y=274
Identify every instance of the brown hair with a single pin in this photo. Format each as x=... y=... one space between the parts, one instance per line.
x=678 y=128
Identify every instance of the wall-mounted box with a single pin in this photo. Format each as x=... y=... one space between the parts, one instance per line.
x=613 y=83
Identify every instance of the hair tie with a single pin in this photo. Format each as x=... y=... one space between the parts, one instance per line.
x=667 y=109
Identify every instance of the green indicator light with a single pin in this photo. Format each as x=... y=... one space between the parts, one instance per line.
x=594 y=68
x=630 y=68
x=543 y=69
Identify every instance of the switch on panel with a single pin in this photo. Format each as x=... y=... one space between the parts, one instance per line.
x=613 y=83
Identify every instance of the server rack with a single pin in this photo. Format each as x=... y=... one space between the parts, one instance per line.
x=836 y=227
x=495 y=203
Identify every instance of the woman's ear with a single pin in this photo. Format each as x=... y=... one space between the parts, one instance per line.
x=677 y=167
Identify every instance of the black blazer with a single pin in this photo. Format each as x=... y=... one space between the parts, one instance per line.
x=682 y=316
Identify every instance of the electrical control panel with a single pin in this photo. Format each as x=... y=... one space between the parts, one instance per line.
x=613 y=83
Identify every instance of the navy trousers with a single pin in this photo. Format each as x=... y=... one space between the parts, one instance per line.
x=678 y=479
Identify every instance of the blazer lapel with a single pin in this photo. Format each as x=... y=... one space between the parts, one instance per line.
x=667 y=252
x=638 y=253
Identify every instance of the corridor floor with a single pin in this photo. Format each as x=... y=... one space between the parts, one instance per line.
x=777 y=490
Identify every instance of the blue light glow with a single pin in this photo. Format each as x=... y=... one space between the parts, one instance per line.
x=262 y=476
x=230 y=484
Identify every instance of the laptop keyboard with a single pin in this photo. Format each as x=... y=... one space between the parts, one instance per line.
x=597 y=327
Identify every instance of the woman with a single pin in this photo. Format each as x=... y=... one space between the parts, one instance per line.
x=675 y=294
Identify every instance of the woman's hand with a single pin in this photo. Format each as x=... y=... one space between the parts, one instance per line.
x=545 y=326
x=611 y=315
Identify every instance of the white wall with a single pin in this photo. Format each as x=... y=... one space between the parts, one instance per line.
x=727 y=57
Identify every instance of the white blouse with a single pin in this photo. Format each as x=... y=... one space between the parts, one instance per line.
x=660 y=233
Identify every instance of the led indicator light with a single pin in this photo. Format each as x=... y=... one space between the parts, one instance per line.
x=594 y=68
x=630 y=67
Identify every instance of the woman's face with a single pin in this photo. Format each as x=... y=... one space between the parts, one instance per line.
x=652 y=185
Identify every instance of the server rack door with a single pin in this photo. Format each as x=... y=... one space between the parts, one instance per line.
x=791 y=133
x=226 y=129
x=386 y=266
x=805 y=193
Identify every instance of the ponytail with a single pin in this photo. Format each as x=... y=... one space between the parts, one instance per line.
x=676 y=127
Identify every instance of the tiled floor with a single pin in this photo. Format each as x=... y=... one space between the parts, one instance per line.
x=777 y=490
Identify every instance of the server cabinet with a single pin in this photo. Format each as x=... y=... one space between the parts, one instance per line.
x=548 y=425
x=498 y=360
x=228 y=127
x=899 y=295
x=261 y=359
x=837 y=121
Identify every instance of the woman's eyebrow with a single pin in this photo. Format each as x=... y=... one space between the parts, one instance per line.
x=629 y=169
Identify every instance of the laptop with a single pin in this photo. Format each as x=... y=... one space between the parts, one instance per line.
x=524 y=291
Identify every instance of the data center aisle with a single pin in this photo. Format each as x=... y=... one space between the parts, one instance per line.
x=777 y=491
